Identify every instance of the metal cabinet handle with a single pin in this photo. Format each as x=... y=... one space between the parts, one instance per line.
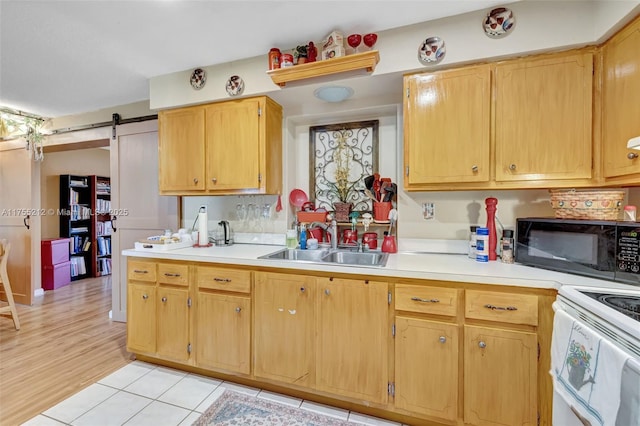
x=139 y=271
x=632 y=156
x=222 y=280
x=164 y=299
x=474 y=168
x=326 y=291
x=145 y=296
x=214 y=180
x=418 y=299
x=482 y=344
x=500 y=308
x=195 y=180
x=512 y=167
x=238 y=309
x=302 y=289
x=169 y=274
x=442 y=339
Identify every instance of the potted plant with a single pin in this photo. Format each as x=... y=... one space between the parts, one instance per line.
x=300 y=54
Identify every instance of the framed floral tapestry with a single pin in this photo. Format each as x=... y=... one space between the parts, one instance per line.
x=340 y=157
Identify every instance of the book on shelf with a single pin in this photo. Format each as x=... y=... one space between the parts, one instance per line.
x=104 y=266
x=103 y=206
x=104 y=246
x=79 y=229
x=104 y=228
x=78 y=266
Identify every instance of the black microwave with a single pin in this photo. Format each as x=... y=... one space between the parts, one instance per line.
x=599 y=249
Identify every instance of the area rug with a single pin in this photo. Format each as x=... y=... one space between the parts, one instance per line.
x=233 y=408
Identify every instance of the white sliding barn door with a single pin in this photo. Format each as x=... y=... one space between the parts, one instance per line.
x=138 y=210
x=18 y=215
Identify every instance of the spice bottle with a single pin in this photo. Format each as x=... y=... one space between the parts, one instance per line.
x=482 y=245
x=274 y=58
x=507 y=246
x=472 y=242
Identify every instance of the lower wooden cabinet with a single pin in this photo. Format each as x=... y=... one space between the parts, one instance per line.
x=223 y=332
x=500 y=376
x=223 y=319
x=426 y=367
x=462 y=353
x=158 y=313
x=353 y=332
x=141 y=317
x=173 y=323
x=284 y=330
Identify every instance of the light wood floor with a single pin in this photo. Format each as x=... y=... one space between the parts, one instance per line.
x=65 y=343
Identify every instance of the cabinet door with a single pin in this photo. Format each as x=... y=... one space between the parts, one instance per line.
x=447 y=126
x=353 y=333
x=173 y=323
x=426 y=367
x=543 y=118
x=181 y=149
x=500 y=379
x=284 y=335
x=233 y=145
x=223 y=332
x=621 y=108
x=141 y=317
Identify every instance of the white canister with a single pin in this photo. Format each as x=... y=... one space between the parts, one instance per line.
x=482 y=244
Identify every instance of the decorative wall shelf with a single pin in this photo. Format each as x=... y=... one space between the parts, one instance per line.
x=365 y=61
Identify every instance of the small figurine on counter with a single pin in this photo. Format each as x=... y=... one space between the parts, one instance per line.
x=312 y=52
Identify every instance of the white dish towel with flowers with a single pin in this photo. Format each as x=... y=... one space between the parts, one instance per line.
x=586 y=371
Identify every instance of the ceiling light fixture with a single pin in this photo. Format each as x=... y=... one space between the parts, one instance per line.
x=333 y=93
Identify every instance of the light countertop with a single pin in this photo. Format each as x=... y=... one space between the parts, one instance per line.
x=404 y=264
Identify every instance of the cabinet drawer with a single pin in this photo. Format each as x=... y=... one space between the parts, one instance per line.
x=426 y=300
x=224 y=279
x=173 y=274
x=141 y=271
x=503 y=307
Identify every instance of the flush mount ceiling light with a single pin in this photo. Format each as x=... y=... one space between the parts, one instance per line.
x=333 y=93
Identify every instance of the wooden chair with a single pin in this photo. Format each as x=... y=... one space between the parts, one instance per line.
x=5 y=248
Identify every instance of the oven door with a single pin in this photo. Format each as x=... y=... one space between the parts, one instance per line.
x=578 y=247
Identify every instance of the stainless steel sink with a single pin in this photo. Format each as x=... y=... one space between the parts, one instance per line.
x=336 y=256
x=356 y=258
x=297 y=254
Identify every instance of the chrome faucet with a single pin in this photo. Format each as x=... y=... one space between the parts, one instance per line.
x=332 y=229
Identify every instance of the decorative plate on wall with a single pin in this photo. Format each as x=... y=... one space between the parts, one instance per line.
x=431 y=51
x=198 y=78
x=235 y=85
x=499 y=22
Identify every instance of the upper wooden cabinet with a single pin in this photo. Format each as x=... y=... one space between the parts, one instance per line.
x=543 y=118
x=457 y=135
x=446 y=126
x=181 y=150
x=230 y=147
x=620 y=104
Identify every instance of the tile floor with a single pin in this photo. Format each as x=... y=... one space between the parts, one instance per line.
x=146 y=394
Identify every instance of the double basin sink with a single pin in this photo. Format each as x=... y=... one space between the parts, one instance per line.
x=333 y=256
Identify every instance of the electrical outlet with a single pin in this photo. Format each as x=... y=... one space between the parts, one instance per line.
x=428 y=210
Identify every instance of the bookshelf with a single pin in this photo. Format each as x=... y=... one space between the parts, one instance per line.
x=76 y=223
x=101 y=250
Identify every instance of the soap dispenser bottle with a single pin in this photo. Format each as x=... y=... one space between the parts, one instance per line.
x=303 y=237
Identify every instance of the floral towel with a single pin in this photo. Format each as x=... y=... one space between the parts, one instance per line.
x=586 y=370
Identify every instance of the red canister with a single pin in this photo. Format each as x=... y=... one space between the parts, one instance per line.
x=274 y=58
x=370 y=239
x=286 y=60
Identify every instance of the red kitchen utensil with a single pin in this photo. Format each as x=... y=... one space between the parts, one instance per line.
x=298 y=197
x=279 y=203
